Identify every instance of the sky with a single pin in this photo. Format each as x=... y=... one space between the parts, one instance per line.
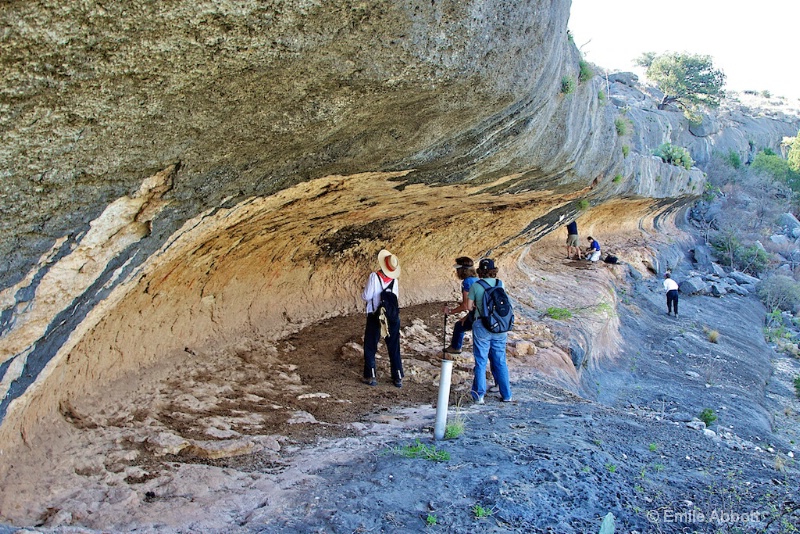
x=754 y=43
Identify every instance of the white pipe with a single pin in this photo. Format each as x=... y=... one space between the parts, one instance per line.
x=444 y=399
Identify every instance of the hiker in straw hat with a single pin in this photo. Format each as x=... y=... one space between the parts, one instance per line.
x=381 y=284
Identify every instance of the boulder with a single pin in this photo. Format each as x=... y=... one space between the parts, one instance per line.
x=790 y=222
x=703 y=257
x=742 y=278
x=739 y=290
x=717 y=290
x=779 y=239
x=627 y=78
x=692 y=286
x=708 y=126
x=717 y=269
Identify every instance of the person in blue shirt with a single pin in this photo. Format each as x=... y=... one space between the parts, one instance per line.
x=593 y=252
x=465 y=270
x=572 y=240
x=487 y=347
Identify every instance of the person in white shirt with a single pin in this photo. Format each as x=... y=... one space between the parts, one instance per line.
x=385 y=278
x=671 y=287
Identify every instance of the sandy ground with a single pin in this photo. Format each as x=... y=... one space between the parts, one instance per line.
x=276 y=437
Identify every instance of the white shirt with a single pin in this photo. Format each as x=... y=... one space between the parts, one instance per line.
x=670 y=284
x=372 y=292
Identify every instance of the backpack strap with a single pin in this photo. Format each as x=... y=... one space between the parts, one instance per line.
x=485 y=285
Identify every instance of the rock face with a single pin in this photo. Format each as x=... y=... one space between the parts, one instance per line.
x=184 y=173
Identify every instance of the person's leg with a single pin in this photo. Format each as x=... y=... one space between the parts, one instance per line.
x=372 y=333
x=672 y=301
x=497 y=359
x=458 y=335
x=393 y=346
x=480 y=350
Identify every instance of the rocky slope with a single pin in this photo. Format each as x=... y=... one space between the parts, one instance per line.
x=181 y=177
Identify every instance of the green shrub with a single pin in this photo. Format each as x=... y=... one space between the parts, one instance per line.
x=625 y=151
x=558 y=313
x=481 y=512
x=586 y=71
x=567 y=85
x=750 y=259
x=766 y=94
x=420 y=450
x=794 y=153
x=617 y=179
x=797 y=386
x=621 y=126
x=708 y=416
x=601 y=96
x=675 y=155
x=454 y=429
x=583 y=204
x=779 y=292
x=734 y=159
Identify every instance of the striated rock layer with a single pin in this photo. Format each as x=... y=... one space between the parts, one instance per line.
x=194 y=173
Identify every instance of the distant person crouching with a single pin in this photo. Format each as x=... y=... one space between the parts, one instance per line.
x=593 y=251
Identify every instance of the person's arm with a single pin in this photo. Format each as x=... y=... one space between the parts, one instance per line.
x=461 y=307
x=372 y=288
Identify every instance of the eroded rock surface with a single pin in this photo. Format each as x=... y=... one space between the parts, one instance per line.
x=188 y=179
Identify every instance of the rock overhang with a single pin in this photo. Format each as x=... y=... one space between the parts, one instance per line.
x=307 y=137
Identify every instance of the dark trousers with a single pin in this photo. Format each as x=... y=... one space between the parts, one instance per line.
x=672 y=301
x=461 y=326
x=372 y=334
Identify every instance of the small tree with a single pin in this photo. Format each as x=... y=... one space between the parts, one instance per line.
x=685 y=79
x=779 y=292
x=794 y=153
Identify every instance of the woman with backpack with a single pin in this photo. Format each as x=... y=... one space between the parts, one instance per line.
x=381 y=294
x=487 y=346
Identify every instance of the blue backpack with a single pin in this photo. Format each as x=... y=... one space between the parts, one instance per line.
x=497 y=313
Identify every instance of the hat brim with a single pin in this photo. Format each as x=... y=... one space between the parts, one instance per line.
x=384 y=267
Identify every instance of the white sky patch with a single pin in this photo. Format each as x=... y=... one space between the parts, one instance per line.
x=752 y=44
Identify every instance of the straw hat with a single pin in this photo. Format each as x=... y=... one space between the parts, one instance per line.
x=388 y=264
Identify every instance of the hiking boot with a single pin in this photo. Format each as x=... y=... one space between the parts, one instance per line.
x=398 y=382
x=478 y=399
x=507 y=400
x=451 y=350
x=370 y=381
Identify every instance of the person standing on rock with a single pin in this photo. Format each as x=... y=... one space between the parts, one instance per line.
x=487 y=345
x=572 y=240
x=671 y=287
x=465 y=270
x=378 y=284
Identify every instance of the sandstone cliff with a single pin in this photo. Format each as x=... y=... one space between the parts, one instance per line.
x=195 y=173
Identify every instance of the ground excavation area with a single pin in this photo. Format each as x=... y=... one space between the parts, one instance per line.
x=283 y=436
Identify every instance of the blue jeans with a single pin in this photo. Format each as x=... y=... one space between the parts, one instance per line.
x=491 y=347
x=459 y=328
